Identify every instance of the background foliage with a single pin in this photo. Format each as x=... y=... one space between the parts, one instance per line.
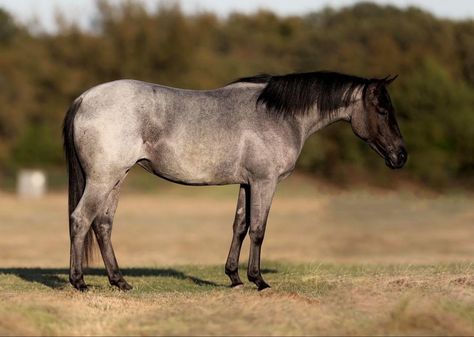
x=41 y=73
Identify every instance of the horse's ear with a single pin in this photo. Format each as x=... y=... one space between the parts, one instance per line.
x=374 y=89
x=387 y=80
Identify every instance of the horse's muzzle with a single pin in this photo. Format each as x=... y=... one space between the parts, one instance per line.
x=397 y=159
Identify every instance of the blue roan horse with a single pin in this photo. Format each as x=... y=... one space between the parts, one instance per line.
x=249 y=132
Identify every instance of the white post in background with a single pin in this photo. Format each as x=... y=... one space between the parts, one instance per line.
x=31 y=183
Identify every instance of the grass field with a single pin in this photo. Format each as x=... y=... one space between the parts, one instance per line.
x=339 y=262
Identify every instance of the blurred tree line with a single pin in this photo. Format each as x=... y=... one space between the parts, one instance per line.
x=41 y=73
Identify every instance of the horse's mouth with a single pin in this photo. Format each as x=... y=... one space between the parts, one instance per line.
x=392 y=160
x=381 y=152
x=393 y=165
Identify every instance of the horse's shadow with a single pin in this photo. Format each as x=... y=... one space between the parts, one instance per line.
x=57 y=278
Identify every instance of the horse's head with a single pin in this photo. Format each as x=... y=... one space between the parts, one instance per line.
x=375 y=123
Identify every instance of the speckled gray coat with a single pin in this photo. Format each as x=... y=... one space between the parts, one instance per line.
x=209 y=137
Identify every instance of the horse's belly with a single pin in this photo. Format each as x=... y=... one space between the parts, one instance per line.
x=195 y=164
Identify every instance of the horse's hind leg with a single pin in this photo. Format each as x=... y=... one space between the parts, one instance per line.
x=241 y=225
x=92 y=202
x=102 y=227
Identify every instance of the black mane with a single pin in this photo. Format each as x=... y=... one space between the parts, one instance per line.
x=297 y=93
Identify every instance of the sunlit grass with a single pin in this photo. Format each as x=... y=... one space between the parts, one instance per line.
x=304 y=299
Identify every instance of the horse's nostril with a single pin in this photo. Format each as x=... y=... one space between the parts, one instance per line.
x=402 y=155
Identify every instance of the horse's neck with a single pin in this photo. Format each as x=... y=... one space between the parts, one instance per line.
x=316 y=121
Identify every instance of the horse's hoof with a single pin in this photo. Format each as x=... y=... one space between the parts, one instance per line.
x=122 y=285
x=82 y=287
x=78 y=284
x=237 y=286
x=265 y=290
x=259 y=282
x=264 y=287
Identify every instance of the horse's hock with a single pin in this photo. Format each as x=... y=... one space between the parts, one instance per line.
x=31 y=183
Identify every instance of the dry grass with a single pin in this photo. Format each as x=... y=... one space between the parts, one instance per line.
x=305 y=299
x=339 y=263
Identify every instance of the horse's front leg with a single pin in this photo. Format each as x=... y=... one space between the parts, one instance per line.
x=241 y=225
x=261 y=195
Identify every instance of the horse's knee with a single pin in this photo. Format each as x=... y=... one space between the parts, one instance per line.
x=240 y=230
x=231 y=268
x=253 y=274
x=256 y=235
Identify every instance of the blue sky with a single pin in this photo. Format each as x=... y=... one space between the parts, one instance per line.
x=82 y=11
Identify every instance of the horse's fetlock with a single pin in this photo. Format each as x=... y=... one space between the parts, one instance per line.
x=230 y=270
x=253 y=276
x=77 y=281
x=75 y=276
x=116 y=278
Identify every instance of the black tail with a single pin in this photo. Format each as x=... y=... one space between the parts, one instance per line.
x=76 y=174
